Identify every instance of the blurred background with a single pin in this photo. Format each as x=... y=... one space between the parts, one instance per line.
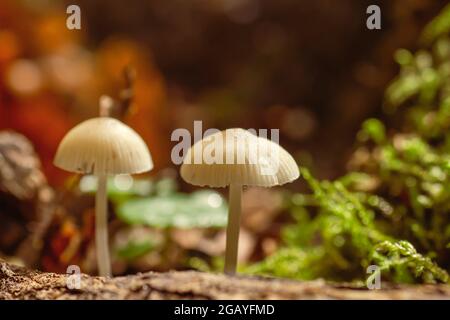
x=310 y=68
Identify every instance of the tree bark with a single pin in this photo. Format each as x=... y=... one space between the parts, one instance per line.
x=20 y=283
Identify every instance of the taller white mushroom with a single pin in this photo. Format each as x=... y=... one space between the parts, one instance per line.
x=237 y=158
x=103 y=146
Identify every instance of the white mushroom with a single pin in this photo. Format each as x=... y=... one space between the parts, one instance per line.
x=103 y=146
x=237 y=158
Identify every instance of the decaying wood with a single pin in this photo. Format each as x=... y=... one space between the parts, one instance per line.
x=20 y=168
x=20 y=283
x=25 y=198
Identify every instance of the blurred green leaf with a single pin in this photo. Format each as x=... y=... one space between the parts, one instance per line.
x=201 y=209
x=403 y=57
x=374 y=130
x=134 y=249
x=119 y=185
x=165 y=186
x=437 y=27
x=402 y=88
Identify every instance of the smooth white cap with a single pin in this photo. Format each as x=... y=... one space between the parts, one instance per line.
x=103 y=146
x=255 y=161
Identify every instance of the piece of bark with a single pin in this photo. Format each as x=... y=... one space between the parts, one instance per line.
x=26 y=199
x=20 y=283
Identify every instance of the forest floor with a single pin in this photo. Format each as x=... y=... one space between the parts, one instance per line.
x=21 y=283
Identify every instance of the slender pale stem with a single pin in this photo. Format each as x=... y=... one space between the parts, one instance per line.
x=234 y=217
x=101 y=228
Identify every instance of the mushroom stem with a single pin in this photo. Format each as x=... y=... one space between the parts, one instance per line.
x=234 y=216
x=101 y=227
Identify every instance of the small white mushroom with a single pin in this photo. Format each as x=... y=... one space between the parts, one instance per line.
x=237 y=158
x=103 y=146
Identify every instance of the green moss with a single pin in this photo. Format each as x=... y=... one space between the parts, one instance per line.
x=393 y=208
x=402 y=259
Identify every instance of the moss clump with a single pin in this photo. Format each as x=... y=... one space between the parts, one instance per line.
x=393 y=207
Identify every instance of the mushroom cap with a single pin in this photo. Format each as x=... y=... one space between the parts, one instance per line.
x=255 y=161
x=103 y=146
